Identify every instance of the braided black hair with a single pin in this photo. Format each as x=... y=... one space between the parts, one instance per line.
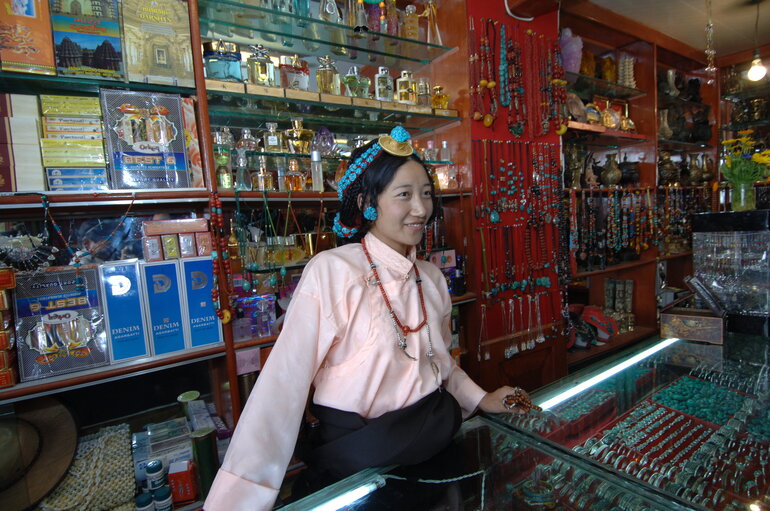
x=369 y=186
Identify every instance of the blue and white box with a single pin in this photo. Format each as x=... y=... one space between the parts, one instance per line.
x=204 y=325
x=124 y=310
x=166 y=317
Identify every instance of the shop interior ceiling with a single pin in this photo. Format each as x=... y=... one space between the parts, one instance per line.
x=685 y=20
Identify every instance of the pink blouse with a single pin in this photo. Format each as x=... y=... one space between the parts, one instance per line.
x=338 y=336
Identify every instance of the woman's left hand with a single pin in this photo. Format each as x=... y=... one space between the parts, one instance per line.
x=506 y=399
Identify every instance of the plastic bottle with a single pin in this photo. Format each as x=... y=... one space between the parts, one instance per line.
x=316 y=171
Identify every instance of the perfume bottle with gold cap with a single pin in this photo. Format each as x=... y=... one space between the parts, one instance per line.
x=261 y=70
x=327 y=76
x=298 y=138
x=272 y=139
x=423 y=92
x=263 y=179
x=294 y=179
x=440 y=100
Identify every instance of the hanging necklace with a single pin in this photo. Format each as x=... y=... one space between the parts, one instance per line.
x=403 y=330
x=80 y=283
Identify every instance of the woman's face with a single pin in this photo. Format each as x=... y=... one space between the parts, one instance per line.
x=403 y=208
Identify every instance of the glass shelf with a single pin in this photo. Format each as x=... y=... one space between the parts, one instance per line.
x=600 y=136
x=753 y=92
x=586 y=86
x=746 y=125
x=683 y=147
x=293 y=155
x=666 y=100
x=248 y=24
x=18 y=200
x=243 y=110
x=43 y=84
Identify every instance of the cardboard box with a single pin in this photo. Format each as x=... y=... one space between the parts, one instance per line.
x=167 y=321
x=124 y=313
x=59 y=325
x=204 y=326
x=692 y=325
x=8 y=377
x=182 y=481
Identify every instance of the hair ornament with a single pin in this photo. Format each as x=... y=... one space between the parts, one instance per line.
x=397 y=142
x=370 y=213
x=341 y=230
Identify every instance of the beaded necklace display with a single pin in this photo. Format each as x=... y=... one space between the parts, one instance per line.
x=503 y=78
x=477 y=107
x=515 y=87
x=403 y=330
x=487 y=80
x=74 y=252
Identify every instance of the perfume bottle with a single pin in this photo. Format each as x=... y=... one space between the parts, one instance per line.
x=383 y=85
x=433 y=35
x=406 y=89
x=356 y=18
x=328 y=11
x=294 y=179
x=294 y=72
x=247 y=141
x=242 y=174
x=222 y=61
x=298 y=139
x=410 y=27
x=263 y=179
x=223 y=145
x=272 y=140
x=439 y=100
x=355 y=84
x=423 y=92
x=327 y=76
x=430 y=153
x=316 y=172
x=391 y=20
x=445 y=153
x=261 y=70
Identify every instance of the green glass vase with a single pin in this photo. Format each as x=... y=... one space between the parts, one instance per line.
x=743 y=197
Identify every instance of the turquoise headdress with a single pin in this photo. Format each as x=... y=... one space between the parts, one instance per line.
x=396 y=143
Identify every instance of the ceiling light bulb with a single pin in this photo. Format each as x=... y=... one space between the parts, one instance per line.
x=757 y=71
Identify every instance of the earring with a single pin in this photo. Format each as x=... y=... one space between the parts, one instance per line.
x=370 y=213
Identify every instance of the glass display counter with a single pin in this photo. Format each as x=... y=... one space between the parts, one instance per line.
x=667 y=425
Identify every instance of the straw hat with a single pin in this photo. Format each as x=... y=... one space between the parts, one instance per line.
x=37 y=444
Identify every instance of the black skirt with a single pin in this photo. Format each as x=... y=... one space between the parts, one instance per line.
x=411 y=435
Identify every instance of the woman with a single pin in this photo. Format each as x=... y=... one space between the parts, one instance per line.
x=368 y=328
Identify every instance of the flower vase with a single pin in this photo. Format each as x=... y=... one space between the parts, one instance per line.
x=743 y=197
x=664 y=131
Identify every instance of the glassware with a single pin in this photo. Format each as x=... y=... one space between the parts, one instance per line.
x=247 y=141
x=356 y=18
x=406 y=89
x=298 y=139
x=302 y=8
x=261 y=70
x=294 y=179
x=356 y=85
x=263 y=179
x=433 y=35
x=391 y=20
x=295 y=73
x=430 y=153
x=272 y=140
x=445 y=153
x=223 y=145
x=316 y=172
x=383 y=85
x=410 y=27
x=242 y=174
x=328 y=11
x=327 y=76
x=423 y=92
x=222 y=61
x=440 y=100
x=743 y=197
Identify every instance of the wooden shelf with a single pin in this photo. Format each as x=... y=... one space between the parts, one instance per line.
x=256 y=341
x=615 y=267
x=466 y=298
x=603 y=136
x=107 y=373
x=617 y=342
